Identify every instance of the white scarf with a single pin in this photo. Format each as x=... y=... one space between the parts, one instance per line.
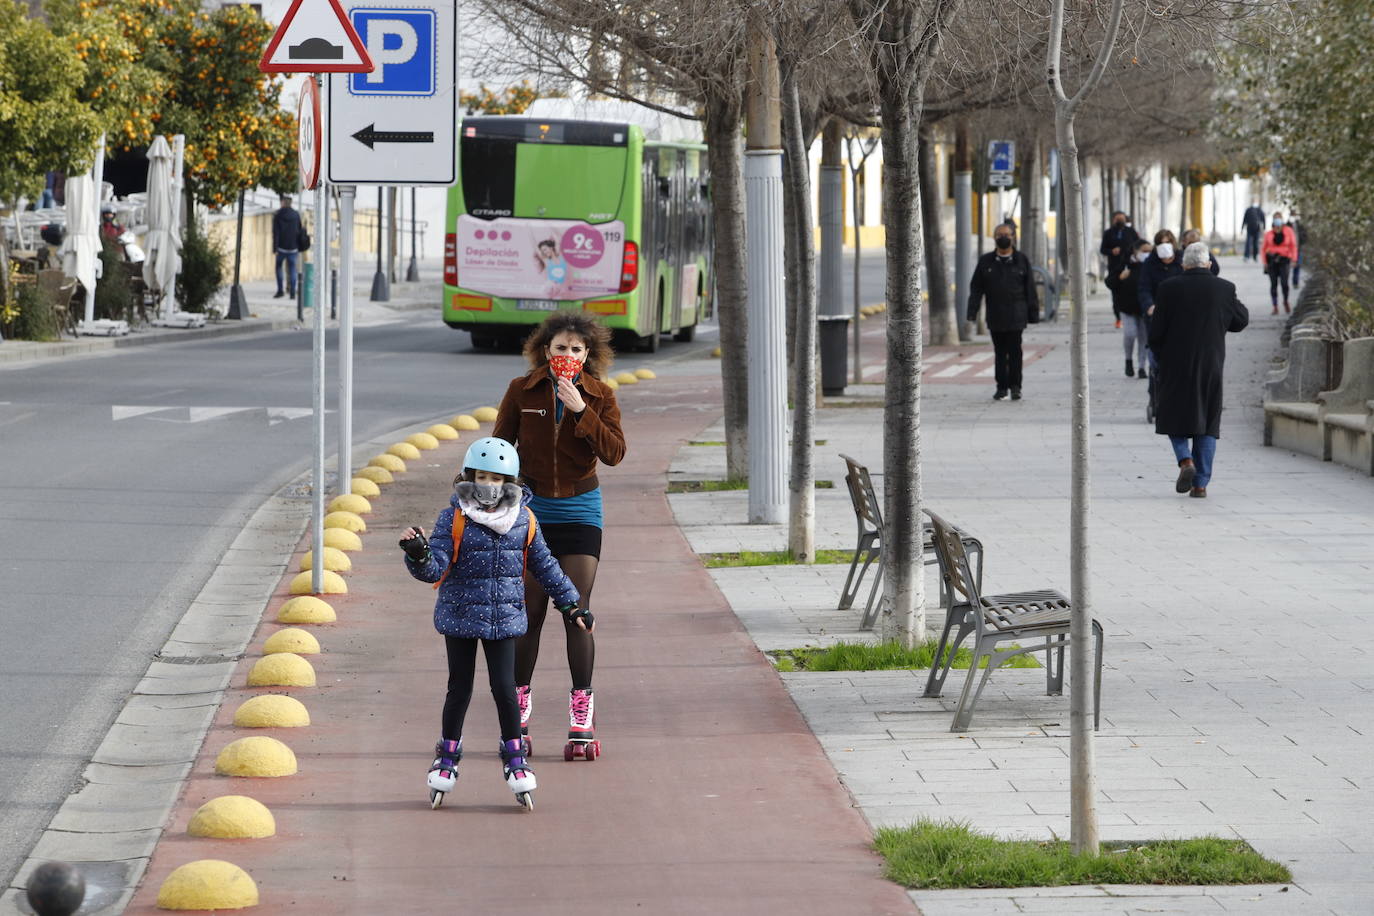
x=499 y=519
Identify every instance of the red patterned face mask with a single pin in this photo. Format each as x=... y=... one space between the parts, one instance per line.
x=566 y=367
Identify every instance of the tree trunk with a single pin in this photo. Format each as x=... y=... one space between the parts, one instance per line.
x=857 y=372
x=801 y=527
x=903 y=612
x=723 y=111
x=944 y=312
x=789 y=262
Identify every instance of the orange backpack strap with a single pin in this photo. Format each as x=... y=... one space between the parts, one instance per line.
x=459 y=523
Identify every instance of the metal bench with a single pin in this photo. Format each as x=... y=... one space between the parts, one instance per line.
x=868 y=514
x=996 y=619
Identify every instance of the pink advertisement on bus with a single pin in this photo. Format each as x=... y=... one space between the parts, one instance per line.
x=539 y=259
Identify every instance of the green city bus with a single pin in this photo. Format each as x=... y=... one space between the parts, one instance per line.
x=552 y=213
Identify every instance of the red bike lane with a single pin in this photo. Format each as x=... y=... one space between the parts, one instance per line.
x=712 y=795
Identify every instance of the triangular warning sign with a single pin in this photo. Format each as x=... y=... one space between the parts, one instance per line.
x=315 y=36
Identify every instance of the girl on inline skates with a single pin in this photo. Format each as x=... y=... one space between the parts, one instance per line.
x=564 y=420
x=477 y=554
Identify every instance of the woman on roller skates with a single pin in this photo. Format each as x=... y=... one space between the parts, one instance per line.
x=476 y=556
x=564 y=420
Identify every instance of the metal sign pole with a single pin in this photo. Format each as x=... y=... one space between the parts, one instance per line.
x=346 y=197
x=317 y=391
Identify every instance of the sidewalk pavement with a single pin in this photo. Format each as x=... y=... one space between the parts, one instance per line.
x=1237 y=683
x=266 y=314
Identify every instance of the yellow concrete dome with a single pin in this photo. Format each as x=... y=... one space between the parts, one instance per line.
x=404 y=451
x=484 y=414
x=342 y=539
x=291 y=639
x=464 y=423
x=388 y=462
x=349 y=521
x=375 y=474
x=259 y=756
x=626 y=378
x=334 y=559
x=306 y=609
x=423 y=441
x=350 y=502
x=442 y=431
x=232 y=817
x=331 y=584
x=364 y=487
x=281 y=669
x=207 y=884
x=272 y=710
x=645 y=373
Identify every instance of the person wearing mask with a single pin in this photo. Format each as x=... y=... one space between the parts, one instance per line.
x=1162 y=264
x=1253 y=221
x=1125 y=285
x=1194 y=235
x=1004 y=276
x=1118 y=242
x=1277 y=254
x=286 y=233
x=1193 y=313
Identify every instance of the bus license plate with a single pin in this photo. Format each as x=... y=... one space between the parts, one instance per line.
x=537 y=305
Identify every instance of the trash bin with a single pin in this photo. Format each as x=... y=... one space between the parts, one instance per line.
x=308 y=286
x=834 y=353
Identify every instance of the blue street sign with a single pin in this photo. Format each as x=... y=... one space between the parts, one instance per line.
x=1001 y=155
x=403 y=43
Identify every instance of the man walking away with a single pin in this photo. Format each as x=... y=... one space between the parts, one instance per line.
x=1253 y=221
x=1004 y=276
x=1193 y=313
x=286 y=233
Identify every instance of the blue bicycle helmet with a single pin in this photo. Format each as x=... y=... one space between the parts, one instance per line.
x=495 y=455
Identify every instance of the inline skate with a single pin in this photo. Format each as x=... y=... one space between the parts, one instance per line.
x=443 y=773
x=519 y=776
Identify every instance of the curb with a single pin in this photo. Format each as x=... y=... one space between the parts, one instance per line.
x=16 y=351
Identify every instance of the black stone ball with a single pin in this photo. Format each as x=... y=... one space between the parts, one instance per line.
x=56 y=889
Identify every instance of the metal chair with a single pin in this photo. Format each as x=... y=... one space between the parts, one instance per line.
x=868 y=514
x=995 y=619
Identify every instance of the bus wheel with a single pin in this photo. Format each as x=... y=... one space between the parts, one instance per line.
x=483 y=342
x=651 y=342
x=686 y=335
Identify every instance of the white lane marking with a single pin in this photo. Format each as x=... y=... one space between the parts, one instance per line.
x=118 y=413
x=951 y=371
x=16 y=419
x=274 y=415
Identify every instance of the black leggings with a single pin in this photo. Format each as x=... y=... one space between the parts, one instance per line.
x=462 y=666
x=581 y=569
x=1278 y=274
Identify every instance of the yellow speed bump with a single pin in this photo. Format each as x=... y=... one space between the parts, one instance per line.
x=350 y=502
x=233 y=817
x=272 y=710
x=645 y=374
x=331 y=584
x=334 y=559
x=258 y=756
x=626 y=378
x=375 y=474
x=207 y=884
x=388 y=462
x=423 y=441
x=610 y=383
x=716 y=352
x=291 y=639
x=306 y=609
x=404 y=450
x=484 y=414
x=442 y=431
x=281 y=669
x=464 y=423
x=342 y=539
x=348 y=521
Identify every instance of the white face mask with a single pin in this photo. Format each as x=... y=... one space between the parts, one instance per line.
x=1165 y=251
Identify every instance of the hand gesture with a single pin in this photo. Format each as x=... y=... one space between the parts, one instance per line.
x=413 y=542
x=570 y=396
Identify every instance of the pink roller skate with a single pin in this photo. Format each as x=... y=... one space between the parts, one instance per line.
x=522 y=696
x=581 y=727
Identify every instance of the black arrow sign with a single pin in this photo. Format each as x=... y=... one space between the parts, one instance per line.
x=371 y=136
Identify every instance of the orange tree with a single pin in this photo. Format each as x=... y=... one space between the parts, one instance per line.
x=171 y=67
x=510 y=101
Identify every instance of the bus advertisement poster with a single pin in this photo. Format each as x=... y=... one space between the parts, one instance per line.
x=548 y=259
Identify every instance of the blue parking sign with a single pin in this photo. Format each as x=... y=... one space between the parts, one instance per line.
x=1002 y=154
x=403 y=45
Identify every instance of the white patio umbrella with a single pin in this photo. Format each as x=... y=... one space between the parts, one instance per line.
x=163 y=242
x=82 y=253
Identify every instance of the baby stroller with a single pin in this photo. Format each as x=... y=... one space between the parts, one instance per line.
x=1154 y=372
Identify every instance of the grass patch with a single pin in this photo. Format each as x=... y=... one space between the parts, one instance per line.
x=769 y=557
x=714 y=486
x=718 y=442
x=883 y=656
x=932 y=854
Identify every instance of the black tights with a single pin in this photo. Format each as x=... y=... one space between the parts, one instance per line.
x=462 y=666
x=581 y=569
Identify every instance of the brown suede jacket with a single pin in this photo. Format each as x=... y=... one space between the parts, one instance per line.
x=559 y=459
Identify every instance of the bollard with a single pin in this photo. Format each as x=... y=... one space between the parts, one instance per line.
x=307 y=288
x=56 y=889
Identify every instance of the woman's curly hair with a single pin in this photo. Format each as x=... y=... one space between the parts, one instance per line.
x=595 y=335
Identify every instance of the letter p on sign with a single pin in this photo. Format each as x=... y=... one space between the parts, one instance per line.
x=402 y=43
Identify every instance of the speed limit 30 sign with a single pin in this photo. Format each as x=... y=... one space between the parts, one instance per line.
x=309 y=136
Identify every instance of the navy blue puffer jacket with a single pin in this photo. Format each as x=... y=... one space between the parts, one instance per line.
x=484 y=595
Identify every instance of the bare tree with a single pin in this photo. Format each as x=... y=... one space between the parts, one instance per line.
x=858 y=147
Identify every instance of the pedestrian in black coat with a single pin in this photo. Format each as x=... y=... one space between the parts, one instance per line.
x=1193 y=314
x=1118 y=242
x=1005 y=278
